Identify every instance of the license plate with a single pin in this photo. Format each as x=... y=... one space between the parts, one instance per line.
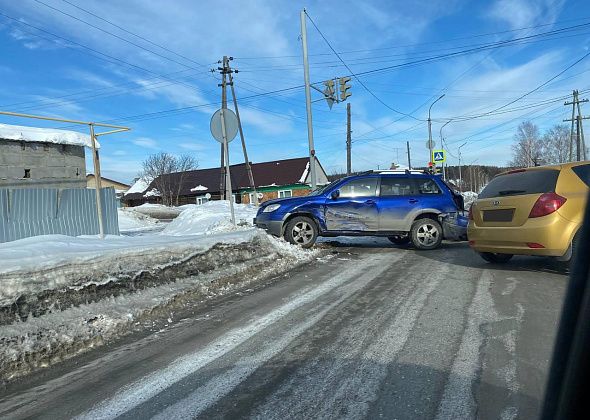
x=500 y=215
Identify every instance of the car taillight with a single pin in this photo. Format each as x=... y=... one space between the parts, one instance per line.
x=471 y=212
x=547 y=204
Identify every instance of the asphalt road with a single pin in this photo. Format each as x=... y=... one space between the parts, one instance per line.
x=368 y=332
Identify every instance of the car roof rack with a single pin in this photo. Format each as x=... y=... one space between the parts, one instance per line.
x=395 y=171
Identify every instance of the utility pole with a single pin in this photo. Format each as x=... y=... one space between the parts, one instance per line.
x=442 y=143
x=430 y=145
x=348 y=141
x=460 y=175
x=580 y=143
x=409 y=156
x=223 y=106
x=312 y=166
x=246 y=160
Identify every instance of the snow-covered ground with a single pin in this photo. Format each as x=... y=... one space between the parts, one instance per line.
x=60 y=295
x=133 y=221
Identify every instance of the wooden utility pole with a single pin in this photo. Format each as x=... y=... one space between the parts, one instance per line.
x=578 y=135
x=409 y=157
x=348 y=141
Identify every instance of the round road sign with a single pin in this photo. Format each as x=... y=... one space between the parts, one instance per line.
x=428 y=146
x=231 y=125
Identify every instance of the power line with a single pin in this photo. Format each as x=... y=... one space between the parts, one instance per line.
x=114 y=35
x=354 y=75
x=418 y=44
x=135 y=35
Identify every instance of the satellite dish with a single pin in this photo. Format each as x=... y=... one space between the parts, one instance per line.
x=208 y=196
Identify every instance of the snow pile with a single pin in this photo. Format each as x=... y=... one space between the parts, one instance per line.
x=210 y=217
x=469 y=198
x=44 y=135
x=158 y=211
x=61 y=296
x=133 y=221
x=139 y=187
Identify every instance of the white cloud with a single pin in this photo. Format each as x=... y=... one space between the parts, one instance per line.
x=146 y=142
x=525 y=13
x=119 y=153
x=195 y=147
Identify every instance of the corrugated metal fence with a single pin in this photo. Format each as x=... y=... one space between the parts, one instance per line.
x=38 y=211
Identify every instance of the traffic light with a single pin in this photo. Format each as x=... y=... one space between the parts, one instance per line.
x=344 y=87
x=329 y=92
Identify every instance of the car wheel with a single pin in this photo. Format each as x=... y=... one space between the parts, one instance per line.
x=301 y=231
x=496 y=258
x=399 y=240
x=426 y=234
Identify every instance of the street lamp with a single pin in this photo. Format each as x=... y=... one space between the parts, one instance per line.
x=442 y=145
x=430 y=146
x=460 y=177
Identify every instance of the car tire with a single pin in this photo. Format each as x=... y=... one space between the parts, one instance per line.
x=426 y=234
x=399 y=240
x=567 y=264
x=301 y=231
x=496 y=258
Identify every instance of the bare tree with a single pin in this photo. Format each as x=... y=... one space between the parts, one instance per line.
x=528 y=147
x=157 y=169
x=556 y=144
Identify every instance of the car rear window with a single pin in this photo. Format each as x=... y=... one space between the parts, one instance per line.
x=583 y=172
x=520 y=183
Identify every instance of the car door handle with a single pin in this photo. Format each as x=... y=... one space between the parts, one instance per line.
x=412 y=201
x=370 y=202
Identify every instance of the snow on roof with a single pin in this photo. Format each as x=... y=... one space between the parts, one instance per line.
x=44 y=135
x=140 y=186
x=199 y=188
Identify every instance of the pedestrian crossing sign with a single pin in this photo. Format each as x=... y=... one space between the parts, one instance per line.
x=439 y=156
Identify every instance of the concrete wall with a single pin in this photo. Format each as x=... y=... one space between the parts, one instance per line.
x=51 y=165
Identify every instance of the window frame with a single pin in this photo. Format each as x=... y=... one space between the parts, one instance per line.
x=406 y=178
x=284 y=191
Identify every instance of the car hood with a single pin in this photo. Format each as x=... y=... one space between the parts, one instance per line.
x=291 y=201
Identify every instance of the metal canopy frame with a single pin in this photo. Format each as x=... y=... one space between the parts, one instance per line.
x=95 y=156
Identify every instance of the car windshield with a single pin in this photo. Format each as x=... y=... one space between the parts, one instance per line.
x=321 y=190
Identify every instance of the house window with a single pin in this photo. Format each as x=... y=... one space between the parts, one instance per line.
x=27 y=173
x=202 y=200
x=285 y=193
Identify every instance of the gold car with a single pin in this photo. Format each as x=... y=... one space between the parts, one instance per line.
x=533 y=211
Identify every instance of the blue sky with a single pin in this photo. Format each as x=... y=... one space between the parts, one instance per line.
x=55 y=62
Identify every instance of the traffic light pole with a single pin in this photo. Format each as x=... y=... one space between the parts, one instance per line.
x=348 y=141
x=312 y=166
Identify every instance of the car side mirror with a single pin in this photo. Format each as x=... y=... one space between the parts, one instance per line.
x=335 y=194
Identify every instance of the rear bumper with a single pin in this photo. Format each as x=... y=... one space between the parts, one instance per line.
x=274 y=227
x=553 y=232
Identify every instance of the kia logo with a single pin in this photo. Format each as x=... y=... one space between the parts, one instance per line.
x=495 y=203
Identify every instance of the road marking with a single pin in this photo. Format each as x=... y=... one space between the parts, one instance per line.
x=146 y=388
x=458 y=401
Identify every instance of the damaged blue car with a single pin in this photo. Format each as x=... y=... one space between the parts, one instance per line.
x=405 y=206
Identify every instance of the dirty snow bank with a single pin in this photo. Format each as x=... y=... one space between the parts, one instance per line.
x=97 y=298
x=158 y=211
x=210 y=217
x=132 y=221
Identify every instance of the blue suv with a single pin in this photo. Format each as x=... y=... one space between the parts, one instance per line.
x=404 y=206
